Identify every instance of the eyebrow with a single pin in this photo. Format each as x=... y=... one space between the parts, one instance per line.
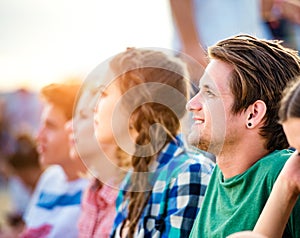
x=206 y=86
x=50 y=123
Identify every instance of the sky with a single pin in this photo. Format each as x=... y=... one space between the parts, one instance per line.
x=45 y=41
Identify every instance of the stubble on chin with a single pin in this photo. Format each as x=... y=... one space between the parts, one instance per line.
x=194 y=139
x=204 y=144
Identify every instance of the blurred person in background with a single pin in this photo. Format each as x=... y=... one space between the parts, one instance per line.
x=4 y=138
x=99 y=199
x=55 y=205
x=21 y=114
x=22 y=171
x=283 y=19
x=25 y=172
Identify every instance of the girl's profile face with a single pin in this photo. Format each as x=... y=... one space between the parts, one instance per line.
x=90 y=132
x=292 y=130
x=112 y=117
x=106 y=117
x=81 y=143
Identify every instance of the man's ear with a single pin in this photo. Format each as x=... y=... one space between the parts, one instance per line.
x=255 y=114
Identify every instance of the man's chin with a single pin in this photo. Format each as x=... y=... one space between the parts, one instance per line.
x=44 y=161
x=200 y=144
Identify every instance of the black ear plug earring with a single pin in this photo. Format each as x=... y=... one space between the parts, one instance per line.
x=250 y=117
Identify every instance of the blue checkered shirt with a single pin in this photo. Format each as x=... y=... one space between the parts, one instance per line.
x=180 y=180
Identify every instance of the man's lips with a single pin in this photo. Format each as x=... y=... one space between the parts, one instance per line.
x=198 y=120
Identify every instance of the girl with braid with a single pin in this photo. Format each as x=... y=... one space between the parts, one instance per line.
x=139 y=111
x=98 y=200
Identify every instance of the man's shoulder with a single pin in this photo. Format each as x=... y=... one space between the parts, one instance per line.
x=52 y=172
x=275 y=160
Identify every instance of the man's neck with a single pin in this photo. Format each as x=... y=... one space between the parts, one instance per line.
x=74 y=169
x=236 y=160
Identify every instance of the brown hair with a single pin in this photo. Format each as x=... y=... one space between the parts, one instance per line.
x=26 y=154
x=262 y=70
x=62 y=96
x=145 y=68
x=290 y=103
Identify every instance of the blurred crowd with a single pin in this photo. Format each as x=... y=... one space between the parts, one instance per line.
x=20 y=167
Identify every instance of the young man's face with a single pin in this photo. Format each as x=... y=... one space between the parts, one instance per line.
x=52 y=138
x=214 y=125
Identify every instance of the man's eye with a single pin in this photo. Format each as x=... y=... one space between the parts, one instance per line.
x=209 y=93
x=206 y=92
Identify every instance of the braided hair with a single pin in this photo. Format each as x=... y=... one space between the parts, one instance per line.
x=155 y=117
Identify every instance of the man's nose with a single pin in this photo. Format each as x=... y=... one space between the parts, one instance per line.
x=195 y=104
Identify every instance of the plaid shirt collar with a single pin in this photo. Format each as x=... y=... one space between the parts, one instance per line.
x=172 y=149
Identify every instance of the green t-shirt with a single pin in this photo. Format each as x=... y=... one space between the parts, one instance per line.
x=235 y=204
